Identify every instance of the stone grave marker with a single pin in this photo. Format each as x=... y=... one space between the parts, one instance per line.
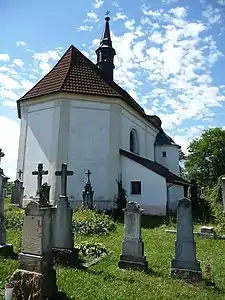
x=185 y=265
x=39 y=173
x=132 y=256
x=63 y=238
x=35 y=274
x=17 y=193
x=88 y=193
x=5 y=249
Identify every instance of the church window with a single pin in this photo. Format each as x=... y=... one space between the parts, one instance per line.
x=104 y=56
x=164 y=153
x=135 y=187
x=133 y=141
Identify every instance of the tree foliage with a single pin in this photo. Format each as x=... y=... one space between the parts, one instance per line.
x=206 y=157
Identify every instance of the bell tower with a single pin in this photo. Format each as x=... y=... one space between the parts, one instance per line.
x=105 y=52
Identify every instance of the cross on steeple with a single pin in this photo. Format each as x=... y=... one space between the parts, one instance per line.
x=20 y=172
x=63 y=174
x=40 y=172
x=2 y=154
x=107 y=14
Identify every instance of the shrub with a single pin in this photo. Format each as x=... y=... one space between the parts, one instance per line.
x=86 y=221
x=216 y=204
x=14 y=217
x=120 y=199
x=91 y=249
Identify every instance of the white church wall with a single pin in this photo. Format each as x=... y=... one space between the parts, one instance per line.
x=41 y=144
x=88 y=148
x=153 y=196
x=171 y=161
x=175 y=193
x=146 y=135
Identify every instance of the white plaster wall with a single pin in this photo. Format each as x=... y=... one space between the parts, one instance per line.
x=154 y=191
x=171 y=161
x=146 y=135
x=41 y=144
x=88 y=148
x=175 y=193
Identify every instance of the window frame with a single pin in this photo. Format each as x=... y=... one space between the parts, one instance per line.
x=139 y=189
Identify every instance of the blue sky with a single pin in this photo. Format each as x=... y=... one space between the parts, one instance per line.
x=170 y=57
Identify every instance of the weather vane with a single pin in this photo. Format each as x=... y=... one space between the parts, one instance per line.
x=107 y=13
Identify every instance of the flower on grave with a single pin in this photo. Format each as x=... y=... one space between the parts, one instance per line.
x=11 y=284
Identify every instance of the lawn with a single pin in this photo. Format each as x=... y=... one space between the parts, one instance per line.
x=105 y=281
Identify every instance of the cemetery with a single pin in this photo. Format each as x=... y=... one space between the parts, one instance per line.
x=104 y=255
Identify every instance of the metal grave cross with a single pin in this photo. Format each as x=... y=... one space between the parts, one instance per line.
x=20 y=172
x=2 y=154
x=63 y=174
x=40 y=172
x=88 y=173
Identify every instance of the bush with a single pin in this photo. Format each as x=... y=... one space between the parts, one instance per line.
x=216 y=204
x=86 y=221
x=14 y=217
x=91 y=249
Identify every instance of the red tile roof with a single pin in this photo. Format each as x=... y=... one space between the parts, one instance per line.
x=155 y=167
x=75 y=73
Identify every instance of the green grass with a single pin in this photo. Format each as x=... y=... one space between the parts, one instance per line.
x=105 y=281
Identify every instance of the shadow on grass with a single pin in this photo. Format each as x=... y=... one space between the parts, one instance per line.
x=147 y=221
x=152 y=272
x=61 y=296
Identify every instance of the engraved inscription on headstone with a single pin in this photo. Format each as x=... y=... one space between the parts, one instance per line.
x=32 y=235
x=131 y=226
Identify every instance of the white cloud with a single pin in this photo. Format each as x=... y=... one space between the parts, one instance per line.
x=91 y=17
x=129 y=24
x=85 y=28
x=119 y=16
x=44 y=59
x=9 y=141
x=21 y=44
x=18 y=62
x=4 y=57
x=97 y=3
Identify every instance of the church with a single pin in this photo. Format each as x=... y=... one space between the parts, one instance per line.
x=77 y=114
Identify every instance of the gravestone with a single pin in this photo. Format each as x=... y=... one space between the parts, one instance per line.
x=44 y=195
x=5 y=249
x=132 y=256
x=39 y=173
x=88 y=193
x=63 y=239
x=35 y=274
x=17 y=193
x=185 y=265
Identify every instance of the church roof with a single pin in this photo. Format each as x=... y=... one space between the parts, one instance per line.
x=75 y=73
x=163 y=139
x=155 y=167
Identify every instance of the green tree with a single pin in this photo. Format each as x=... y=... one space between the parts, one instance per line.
x=206 y=157
x=182 y=158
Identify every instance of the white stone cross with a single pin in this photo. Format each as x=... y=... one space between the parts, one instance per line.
x=40 y=172
x=2 y=154
x=64 y=173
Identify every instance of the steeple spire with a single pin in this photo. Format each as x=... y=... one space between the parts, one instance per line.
x=105 y=52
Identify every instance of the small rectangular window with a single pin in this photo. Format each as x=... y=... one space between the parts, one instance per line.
x=164 y=153
x=135 y=187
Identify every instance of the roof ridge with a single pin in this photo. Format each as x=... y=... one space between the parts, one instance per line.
x=47 y=74
x=71 y=48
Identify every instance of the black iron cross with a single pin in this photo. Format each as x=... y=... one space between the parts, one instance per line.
x=20 y=172
x=40 y=172
x=64 y=173
x=2 y=154
x=88 y=173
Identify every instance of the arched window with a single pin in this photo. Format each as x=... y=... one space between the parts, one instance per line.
x=133 y=141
